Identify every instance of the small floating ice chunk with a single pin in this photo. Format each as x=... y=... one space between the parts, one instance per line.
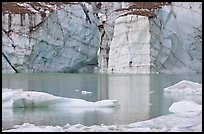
x=151 y=92
x=107 y=103
x=85 y=92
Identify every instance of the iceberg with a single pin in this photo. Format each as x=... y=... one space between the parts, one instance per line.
x=185 y=87
x=185 y=106
x=184 y=90
x=32 y=99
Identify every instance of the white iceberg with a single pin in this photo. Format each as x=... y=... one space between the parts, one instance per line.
x=185 y=106
x=185 y=87
x=31 y=99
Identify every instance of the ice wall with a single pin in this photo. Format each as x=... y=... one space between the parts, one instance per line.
x=69 y=41
x=169 y=42
x=65 y=40
x=103 y=37
x=18 y=37
x=130 y=47
x=176 y=38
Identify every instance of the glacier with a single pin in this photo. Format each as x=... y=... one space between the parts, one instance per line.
x=102 y=37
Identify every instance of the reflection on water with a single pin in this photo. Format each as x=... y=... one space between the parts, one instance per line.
x=133 y=94
x=140 y=96
x=60 y=117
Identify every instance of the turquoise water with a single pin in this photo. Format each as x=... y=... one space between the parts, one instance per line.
x=140 y=96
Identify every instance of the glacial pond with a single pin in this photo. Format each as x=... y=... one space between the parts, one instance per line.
x=140 y=96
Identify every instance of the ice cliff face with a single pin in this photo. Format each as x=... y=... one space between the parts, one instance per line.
x=171 y=42
x=130 y=47
x=65 y=41
x=176 y=46
x=68 y=42
x=118 y=37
